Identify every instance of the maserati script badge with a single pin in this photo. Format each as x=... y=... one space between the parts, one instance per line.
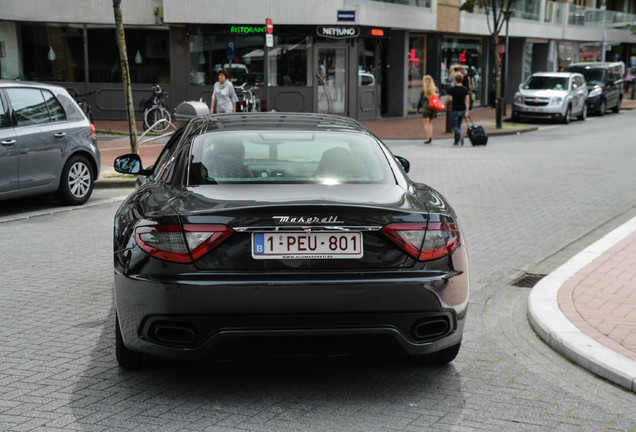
x=307 y=219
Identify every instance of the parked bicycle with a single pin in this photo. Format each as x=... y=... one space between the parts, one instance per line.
x=83 y=103
x=156 y=115
x=248 y=100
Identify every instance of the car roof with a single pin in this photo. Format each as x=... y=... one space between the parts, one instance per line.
x=17 y=83
x=556 y=74
x=595 y=65
x=281 y=121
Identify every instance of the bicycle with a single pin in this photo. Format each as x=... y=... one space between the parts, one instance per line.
x=83 y=103
x=248 y=101
x=156 y=117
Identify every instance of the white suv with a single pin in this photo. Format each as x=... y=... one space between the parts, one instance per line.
x=557 y=96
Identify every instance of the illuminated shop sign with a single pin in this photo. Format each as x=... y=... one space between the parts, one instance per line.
x=248 y=29
x=335 y=32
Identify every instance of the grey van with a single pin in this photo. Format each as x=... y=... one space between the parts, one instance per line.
x=604 y=84
x=46 y=143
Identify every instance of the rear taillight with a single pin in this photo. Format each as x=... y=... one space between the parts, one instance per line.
x=177 y=244
x=424 y=242
x=93 y=131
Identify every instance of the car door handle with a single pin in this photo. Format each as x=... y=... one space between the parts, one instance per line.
x=60 y=135
x=7 y=142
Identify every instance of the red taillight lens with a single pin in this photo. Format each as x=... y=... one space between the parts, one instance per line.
x=424 y=242
x=177 y=244
x=93 y=131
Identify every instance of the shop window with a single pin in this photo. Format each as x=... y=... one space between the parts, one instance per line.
x=148 y=55
x=416 y=69
x=465 y=56
x=52 y=52
x=289 y=62
x=240 y=56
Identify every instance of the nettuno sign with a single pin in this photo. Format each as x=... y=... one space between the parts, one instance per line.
x=338 y=32
x=248 y=29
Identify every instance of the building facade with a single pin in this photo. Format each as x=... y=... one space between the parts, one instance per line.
x=360 y=58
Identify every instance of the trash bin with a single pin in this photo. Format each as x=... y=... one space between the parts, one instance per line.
x=190 y=109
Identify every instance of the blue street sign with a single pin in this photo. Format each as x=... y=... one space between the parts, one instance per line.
x=230 y=50
x=346 y=15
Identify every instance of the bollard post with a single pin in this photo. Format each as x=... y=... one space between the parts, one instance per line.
x=449 y=117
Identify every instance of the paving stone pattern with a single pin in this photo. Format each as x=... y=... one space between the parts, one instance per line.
x=521 y=200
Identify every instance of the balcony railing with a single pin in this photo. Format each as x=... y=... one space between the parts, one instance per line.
x=421 y=3
x=555 y=13
x=524 y=9
x=582 y=16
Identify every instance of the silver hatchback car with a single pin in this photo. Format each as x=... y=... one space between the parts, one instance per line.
x=558 y=96
x=46 y=143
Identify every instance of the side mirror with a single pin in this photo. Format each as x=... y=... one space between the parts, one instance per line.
x=129 y=164
x=404 y=162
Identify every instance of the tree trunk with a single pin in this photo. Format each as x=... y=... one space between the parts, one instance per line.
x=125 y=75
x=498 y=100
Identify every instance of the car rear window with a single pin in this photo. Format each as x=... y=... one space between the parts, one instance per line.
x=34 y=106
x=546 y=83
x=4 y=118
x=287 y=157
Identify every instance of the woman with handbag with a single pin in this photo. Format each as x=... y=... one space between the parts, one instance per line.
x=428 y=90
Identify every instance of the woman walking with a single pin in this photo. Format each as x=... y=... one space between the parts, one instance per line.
x=461 y=106
x=428 y=89
x=223 y=96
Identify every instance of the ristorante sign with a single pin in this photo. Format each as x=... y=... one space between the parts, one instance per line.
x=338 y=32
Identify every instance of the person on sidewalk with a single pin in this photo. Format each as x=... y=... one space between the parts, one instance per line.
x=223 y=96
x=460 y=97
x=428 y=89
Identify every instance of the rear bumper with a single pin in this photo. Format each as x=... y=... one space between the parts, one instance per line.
x=195 y=317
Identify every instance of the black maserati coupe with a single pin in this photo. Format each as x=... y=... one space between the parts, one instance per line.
x=284 y=234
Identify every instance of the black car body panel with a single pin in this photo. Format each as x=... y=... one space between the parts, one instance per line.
x=197 y=308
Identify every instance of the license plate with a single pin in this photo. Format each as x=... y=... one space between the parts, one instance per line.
x=307 y=245
x=535 y=109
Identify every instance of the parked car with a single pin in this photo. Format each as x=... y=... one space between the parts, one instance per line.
x=271 y=233
x=47 y=144
x=551 y=95
x=604 y=84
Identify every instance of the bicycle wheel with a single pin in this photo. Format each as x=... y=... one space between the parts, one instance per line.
x=153 y=118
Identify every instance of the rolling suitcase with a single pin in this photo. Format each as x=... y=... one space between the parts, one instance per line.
x=476 y=134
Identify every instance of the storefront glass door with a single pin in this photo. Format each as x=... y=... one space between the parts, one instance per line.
x=331 y=82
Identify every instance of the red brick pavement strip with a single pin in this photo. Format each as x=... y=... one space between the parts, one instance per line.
x=601 y=298
x=586 y=309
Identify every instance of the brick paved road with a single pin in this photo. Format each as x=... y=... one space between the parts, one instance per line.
x=525 y=202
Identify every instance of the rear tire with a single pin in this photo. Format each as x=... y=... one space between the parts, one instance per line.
x=617 y=108
x=77 y=181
